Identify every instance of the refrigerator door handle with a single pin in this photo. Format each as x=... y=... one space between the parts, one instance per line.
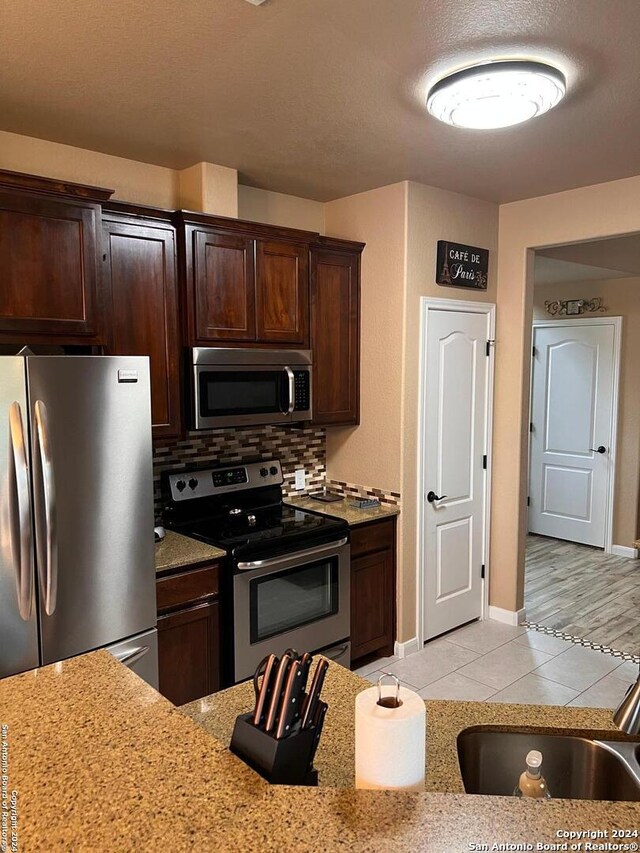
x=20 y=512
x=45 y=512
x=128 y=658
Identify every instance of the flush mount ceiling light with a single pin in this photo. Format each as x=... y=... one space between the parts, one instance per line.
x=496 y=94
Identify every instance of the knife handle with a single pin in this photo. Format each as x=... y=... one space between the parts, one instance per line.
x=267 y=668
x=318 y=722
x=313 y=696
x=279 y=682
x=290 y=700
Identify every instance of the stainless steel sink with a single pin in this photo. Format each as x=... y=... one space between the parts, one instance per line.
x=492 y=759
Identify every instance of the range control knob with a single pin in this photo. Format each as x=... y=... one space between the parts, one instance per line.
x=181 y=485
x=273 y=470
x=263 y=472
x=193 y=482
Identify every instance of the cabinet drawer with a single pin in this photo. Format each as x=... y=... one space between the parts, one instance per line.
x=188 y=587
x=376 y=536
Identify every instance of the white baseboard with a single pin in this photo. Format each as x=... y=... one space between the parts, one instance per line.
x=508 y=617
x=624 y=551
x=401 y=650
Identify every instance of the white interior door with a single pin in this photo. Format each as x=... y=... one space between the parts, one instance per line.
x=572 y=408
x=455 y=418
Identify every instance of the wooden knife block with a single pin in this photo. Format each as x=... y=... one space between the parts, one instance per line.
x=288 y=761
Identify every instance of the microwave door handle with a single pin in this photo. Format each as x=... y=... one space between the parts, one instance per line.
x=292 y=389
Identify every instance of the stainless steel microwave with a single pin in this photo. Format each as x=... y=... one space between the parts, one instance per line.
x=239 y=387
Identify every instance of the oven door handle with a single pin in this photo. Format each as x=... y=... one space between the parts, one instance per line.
x=296 y=555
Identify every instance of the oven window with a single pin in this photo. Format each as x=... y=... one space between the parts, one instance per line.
x=241 y=392
x=282 y=601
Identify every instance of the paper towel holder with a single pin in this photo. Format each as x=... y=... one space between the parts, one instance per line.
x=389 y=701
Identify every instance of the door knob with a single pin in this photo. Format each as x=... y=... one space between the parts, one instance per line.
x=431 y=497
x=600 y=449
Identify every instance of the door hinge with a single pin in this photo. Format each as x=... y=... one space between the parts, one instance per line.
x=482 y=571
x=528 y=501
x=534 y=352
x=489 y=345
x=484 y=462
x=530 y=426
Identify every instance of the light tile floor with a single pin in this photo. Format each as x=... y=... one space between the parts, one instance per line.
x=492 y=662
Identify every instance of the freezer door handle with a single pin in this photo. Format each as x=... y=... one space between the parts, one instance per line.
x=20 y=512
x=130 y=657
x=45 y=512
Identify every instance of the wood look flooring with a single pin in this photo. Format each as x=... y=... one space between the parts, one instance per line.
x=583 y=592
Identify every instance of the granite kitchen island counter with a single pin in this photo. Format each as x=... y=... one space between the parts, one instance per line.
x=101 y=762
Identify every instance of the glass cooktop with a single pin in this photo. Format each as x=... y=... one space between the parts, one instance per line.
x=273 y=529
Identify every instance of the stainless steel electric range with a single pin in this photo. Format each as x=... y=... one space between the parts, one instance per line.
x=286 y=583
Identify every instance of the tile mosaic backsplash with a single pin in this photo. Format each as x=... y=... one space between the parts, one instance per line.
x=295 y=448
x=350 y=490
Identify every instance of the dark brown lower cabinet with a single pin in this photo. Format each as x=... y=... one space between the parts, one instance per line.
x=189 y=634
x=189 y=653
x=373 y=589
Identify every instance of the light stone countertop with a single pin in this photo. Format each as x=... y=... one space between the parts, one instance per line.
x=335 y=759
x=101 y=762
x=177 y=550
x=341 y=509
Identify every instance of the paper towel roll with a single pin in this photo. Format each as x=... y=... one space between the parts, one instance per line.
x=390 y=742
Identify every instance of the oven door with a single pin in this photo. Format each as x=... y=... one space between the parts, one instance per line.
x=234 y=395
x=298 y=600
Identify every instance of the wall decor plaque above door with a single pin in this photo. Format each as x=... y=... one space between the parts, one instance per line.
x=458 y=265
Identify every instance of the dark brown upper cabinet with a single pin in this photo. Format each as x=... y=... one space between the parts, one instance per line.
x=220 y=272
x=246 y=284
x=282 y=292
x=49 y=265
x=335 y=331
x=139 y=256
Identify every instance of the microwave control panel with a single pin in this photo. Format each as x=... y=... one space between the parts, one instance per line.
x=204 y=483
x=303 y=390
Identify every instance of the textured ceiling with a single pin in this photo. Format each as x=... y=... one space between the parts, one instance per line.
x=552 y=271
x=610 y=258
x=323 y=98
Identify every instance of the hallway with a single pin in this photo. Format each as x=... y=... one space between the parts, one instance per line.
x=583 y=592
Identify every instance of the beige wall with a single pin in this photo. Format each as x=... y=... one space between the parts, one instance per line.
x=621 y=297
x=602 y=210
x=432 y=215
x=279 y=209
x=136 y=182
x=209 y=188
x=370 y=455
x=401 y=225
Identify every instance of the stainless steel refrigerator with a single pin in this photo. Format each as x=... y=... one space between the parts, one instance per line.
x=76 y=511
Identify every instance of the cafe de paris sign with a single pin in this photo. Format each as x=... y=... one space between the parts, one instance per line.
x=462 y=266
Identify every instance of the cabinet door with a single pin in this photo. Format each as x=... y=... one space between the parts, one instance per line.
x=189 y=653
x=220 y=277
x=335 y=337
x=282 y=292
x=372 y=604
x=140 y=265
x=50 y=284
